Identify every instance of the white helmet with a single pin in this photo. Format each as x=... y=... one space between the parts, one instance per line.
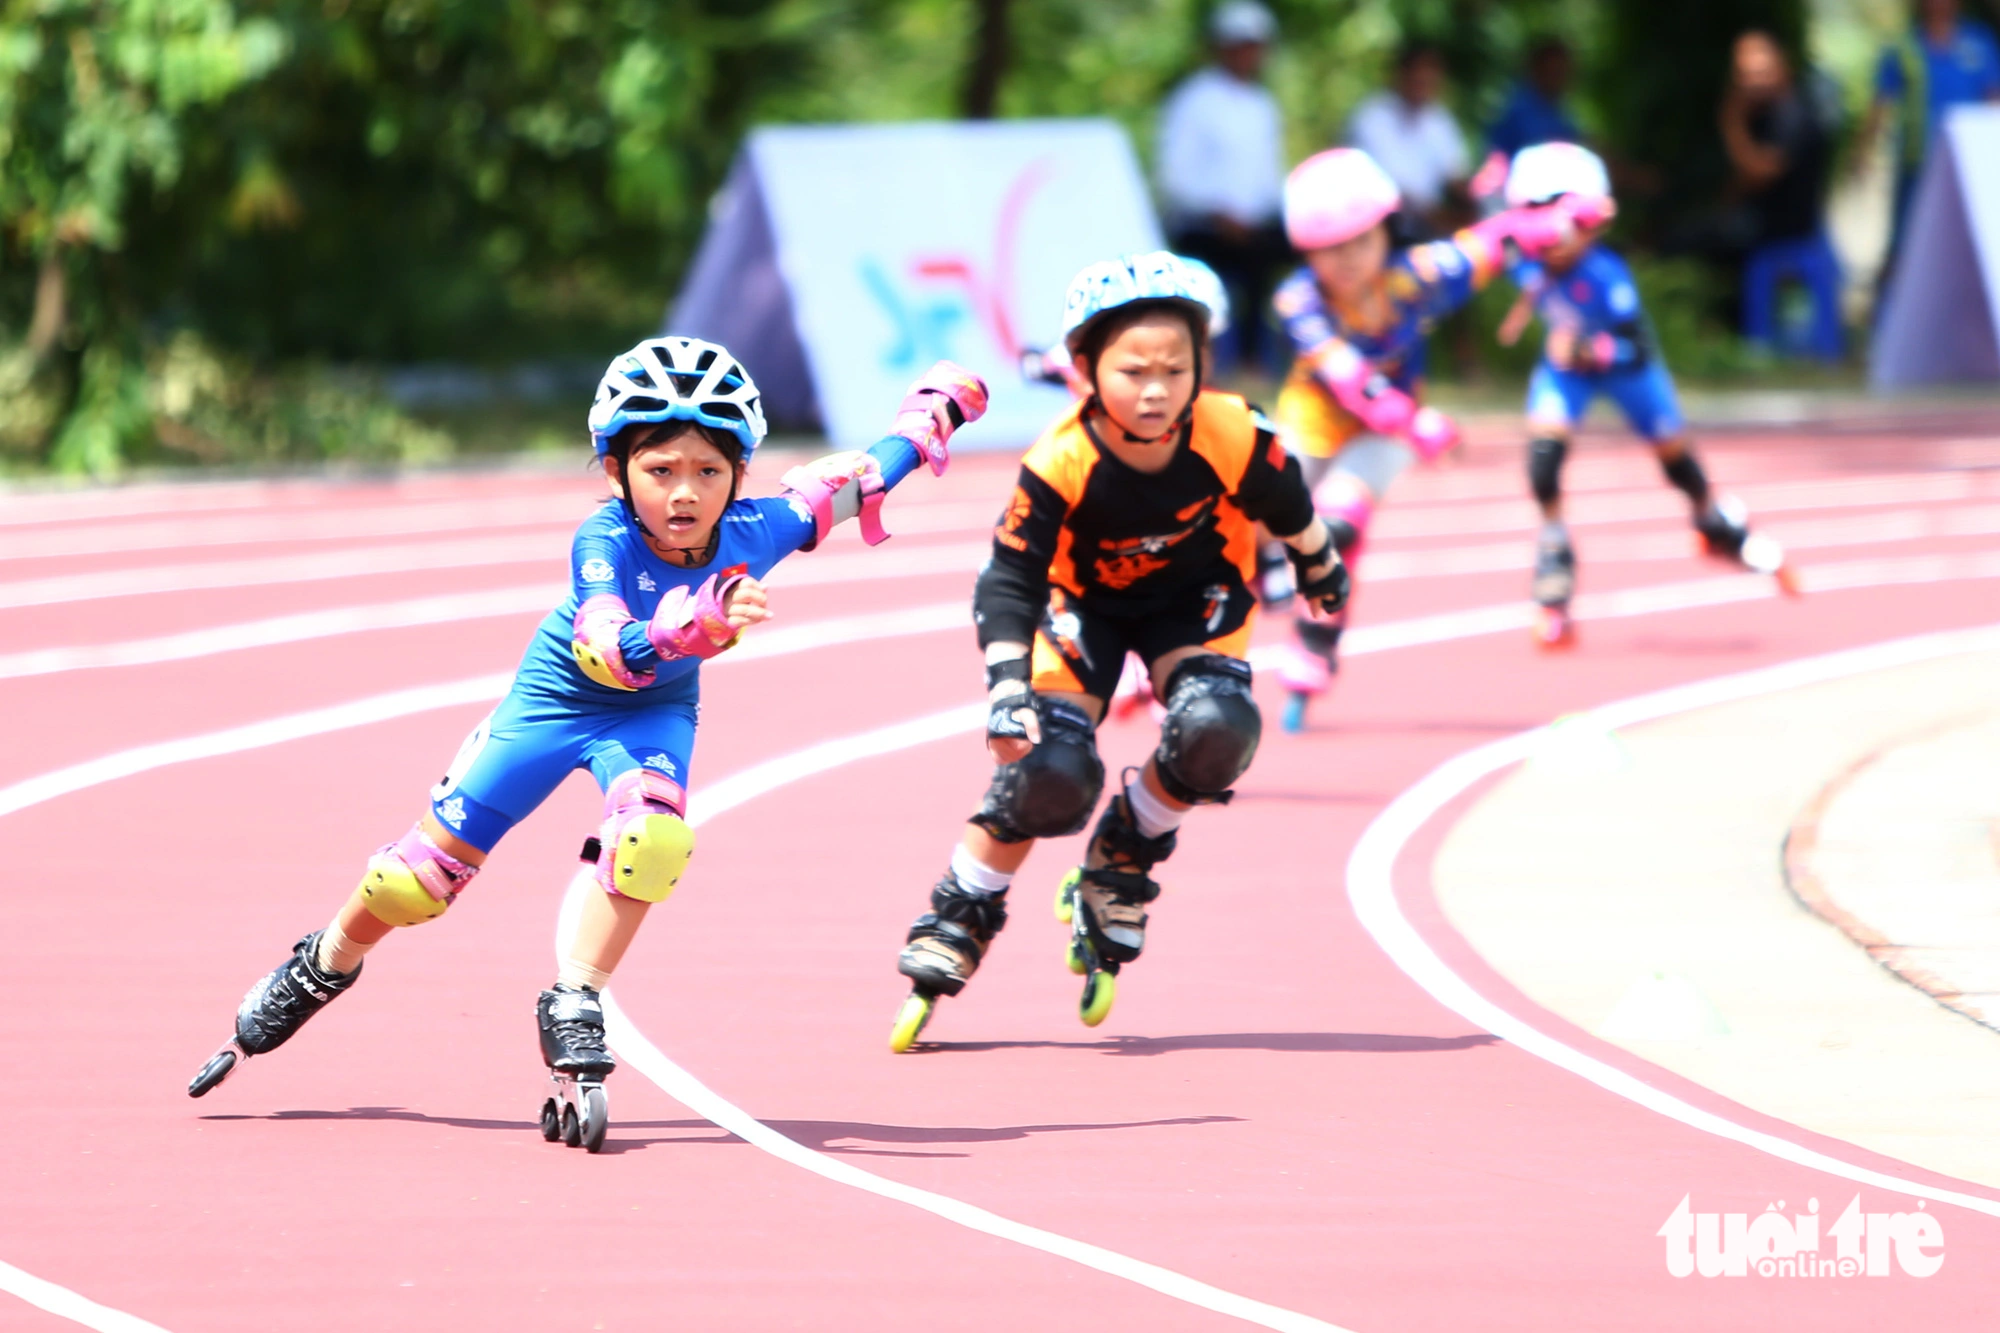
x=1208 y=289
x=1335 y=196
x=1238 y=21
x=1156 y=275
x=1546 y=171
x=677 y=379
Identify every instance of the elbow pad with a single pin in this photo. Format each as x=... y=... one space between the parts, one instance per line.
x=1361 y=389
x=594 y=643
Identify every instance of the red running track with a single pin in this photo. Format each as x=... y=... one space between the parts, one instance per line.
x=1272 y=1109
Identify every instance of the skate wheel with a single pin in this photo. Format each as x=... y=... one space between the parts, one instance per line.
x=1554 y=628
x=572 y=1130
x=551 y=1120
x=1099 y=990
x=1294 y=719
x=1066 y=896
x=219 y=1067
x=1076 y=962
x=910 y=1020
x=596 y=1118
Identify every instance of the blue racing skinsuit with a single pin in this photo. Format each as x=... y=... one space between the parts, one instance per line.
x=556 y=719
x=1597 y=303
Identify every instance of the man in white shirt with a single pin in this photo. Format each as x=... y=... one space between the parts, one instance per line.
x=1407 y=129
x=1222 y=170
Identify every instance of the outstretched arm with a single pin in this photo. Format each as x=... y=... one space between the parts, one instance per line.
x=840 y=486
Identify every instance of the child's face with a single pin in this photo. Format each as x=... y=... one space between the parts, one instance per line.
x=680 y=484
x=1345 y=271
x=1145 y=375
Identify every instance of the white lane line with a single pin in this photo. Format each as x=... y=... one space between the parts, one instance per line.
x=498 y=602
x=549 y=549
x=725 y=795
x=1371 y=889
x=66 y=1304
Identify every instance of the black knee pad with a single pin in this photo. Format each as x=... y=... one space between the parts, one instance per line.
x=1050 y=792
x=1545 y=467
x=1211 y=732
x=1686 y=475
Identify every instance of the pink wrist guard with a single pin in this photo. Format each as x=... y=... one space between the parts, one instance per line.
x=691 y=622
x=1432 y=433
x=926 y=418
x=1360 y=388
x=594 y=642
x=821 y=481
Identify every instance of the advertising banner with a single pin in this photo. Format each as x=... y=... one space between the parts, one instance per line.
x=853 y=256
x=1941 y=322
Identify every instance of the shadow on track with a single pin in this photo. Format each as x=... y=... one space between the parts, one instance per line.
x=1369 y=1042
x=819 y=1135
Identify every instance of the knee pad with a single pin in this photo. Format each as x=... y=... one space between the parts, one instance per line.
x=1211 y=732
x=644 y=844
x=412 y=880
x=1545 y=464
x=1346 y=506
x=1049 y=792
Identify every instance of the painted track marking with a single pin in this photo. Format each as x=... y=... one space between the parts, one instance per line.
x=61 y=1301
x=1371 y=887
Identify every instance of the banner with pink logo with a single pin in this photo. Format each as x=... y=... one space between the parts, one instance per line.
x=841 y=260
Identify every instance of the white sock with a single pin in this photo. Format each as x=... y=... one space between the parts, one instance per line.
x=975 y=874
x=1154 y=816
x=337 y=954
x=582 y=976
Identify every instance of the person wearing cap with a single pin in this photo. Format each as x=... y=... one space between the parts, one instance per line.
x=1222 y=169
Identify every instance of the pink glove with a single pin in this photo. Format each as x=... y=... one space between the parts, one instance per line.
x=1432 y=434
x=1597 y=352
x=1491 y=178
x=944 y=398
x=1543 y=227
x=692 y=622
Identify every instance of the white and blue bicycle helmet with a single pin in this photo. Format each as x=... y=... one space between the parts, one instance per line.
x=1207 y=286
x=1153 y=276
x=677 y=379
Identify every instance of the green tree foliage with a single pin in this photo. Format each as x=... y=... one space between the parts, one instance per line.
x=202 y=198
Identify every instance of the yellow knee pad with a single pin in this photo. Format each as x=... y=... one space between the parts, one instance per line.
x=395 y=896
x=649 y=856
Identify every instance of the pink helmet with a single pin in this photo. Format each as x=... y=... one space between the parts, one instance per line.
x=1335 y=196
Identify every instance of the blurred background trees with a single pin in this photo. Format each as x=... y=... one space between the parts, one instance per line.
x=209 y=205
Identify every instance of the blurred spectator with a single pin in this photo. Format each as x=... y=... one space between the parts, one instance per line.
x=1535 y=112
x=1407 y=129
x=1780 y=150
x=1943 y=61
x=1222 y=171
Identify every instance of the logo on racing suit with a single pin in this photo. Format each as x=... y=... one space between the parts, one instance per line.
x=1064 y=629
x=1218 y=605
x=1019 y=507
x=662 y=763
x=1130 y=559
x=452 y=811
x=597 y=571
x=646 y=583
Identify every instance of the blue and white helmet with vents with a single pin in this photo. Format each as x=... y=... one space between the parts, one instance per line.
x=1208 y=288
x=1155 y=275
x=677 y=379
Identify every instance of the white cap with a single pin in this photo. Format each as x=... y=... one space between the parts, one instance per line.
x=1238 y=21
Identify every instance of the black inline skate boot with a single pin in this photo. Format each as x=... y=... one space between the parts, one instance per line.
x=1554 y=585
x=1724 y=528
x=943 y=950
x=275 y=1008
x=572 y=1030
x=1105 y=907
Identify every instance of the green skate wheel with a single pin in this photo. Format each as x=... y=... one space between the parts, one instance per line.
x=1066 y=896
x=1099 y=990
x=910 y=1020
x=1076 y=963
